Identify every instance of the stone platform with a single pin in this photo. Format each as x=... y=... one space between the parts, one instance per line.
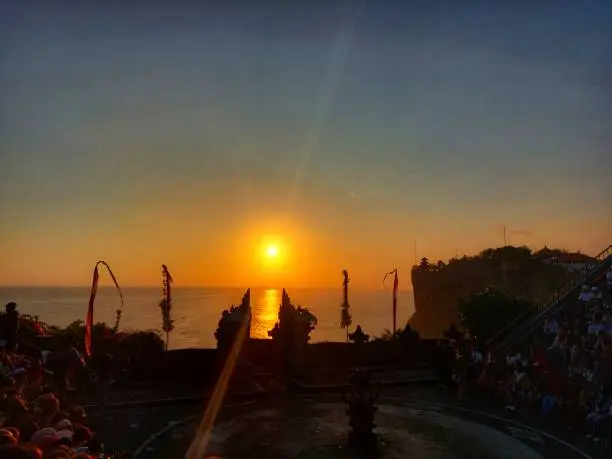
x=310 y=429
x=413 y=421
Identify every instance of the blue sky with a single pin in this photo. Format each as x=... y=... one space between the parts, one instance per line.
x=358 y=121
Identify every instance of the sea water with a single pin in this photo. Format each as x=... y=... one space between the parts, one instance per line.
x=196 y=311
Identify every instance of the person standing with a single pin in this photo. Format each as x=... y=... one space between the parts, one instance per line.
x=11 y=326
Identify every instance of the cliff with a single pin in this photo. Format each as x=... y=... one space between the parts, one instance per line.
x=439 y=287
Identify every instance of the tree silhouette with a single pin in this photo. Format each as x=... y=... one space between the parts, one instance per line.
x=484 y=314
x=424 y=264
x=408 y=337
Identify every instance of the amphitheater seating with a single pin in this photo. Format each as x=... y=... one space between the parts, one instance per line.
x=532 y=320
x=558 y=364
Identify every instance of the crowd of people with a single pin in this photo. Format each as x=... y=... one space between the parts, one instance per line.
x=38 y=419
x=562 y=372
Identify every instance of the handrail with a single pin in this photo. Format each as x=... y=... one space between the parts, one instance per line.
x=567 y=287
x=540 y=306
x=605 y=256
x=605 y=253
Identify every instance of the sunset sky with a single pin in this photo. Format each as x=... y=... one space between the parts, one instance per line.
x=339 y=132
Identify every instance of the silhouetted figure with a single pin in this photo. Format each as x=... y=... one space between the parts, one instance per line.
x=358 y=336
x=453 y=333
x=11 y=326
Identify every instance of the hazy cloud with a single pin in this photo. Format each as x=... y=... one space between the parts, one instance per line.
x=522 y=232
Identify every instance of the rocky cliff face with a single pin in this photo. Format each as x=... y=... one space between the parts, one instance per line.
x=439 y=288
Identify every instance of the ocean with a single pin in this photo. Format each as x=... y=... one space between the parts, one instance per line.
x=196 y=311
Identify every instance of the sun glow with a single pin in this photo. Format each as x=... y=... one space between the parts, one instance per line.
x=279 y=253
x=272 y=251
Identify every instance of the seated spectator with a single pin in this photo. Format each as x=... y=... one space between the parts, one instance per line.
x=21 y=451
x=64 y=438
x=596 y=325
x=516 y=359
x=47 y=407
x=477 y=356
x=27 y=429
x=588 y=372
x=551 y=327
x=577 y=365
x=569 y=361
x=32 y=413
x=11 y=326
x=596 y=300
x=519 y=386
x=44 y=438
x=585 y=295
x=59 y=452
x=16 y=410
x=550 y=399
x=6 y=364
x=540 y=359
x=7 y=437
x=77 y=415
x=81 y=436
x=601 y=413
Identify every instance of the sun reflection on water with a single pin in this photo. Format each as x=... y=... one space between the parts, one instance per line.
x=265 y=312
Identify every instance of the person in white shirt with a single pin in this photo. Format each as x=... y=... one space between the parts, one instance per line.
x=585 y=295
x=596 y=326
x=513 y=360
x=551 y=327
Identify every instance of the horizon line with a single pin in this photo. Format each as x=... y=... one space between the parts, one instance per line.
x=197 y=286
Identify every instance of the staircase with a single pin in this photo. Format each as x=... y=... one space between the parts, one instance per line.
x=532 y=319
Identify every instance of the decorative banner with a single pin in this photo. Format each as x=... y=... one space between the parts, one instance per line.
x=92 y=298
x=167 y=282
x=345 y=316
x=395 y=286
x=166 y=304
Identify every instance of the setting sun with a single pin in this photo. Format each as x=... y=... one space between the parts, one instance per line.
x=272 y=251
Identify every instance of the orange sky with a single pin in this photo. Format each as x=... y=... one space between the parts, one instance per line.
x=230 y=251
x=343 y=134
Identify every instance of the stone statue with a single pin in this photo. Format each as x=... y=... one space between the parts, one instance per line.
x=232 y=320
x=358 y=336
x=360 y=398
x=291 y=332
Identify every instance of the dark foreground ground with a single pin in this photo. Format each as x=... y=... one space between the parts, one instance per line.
x=163 y=429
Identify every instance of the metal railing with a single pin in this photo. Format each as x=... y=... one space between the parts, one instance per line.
x=605 y=260
x=555 y=301
x=584 y=274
